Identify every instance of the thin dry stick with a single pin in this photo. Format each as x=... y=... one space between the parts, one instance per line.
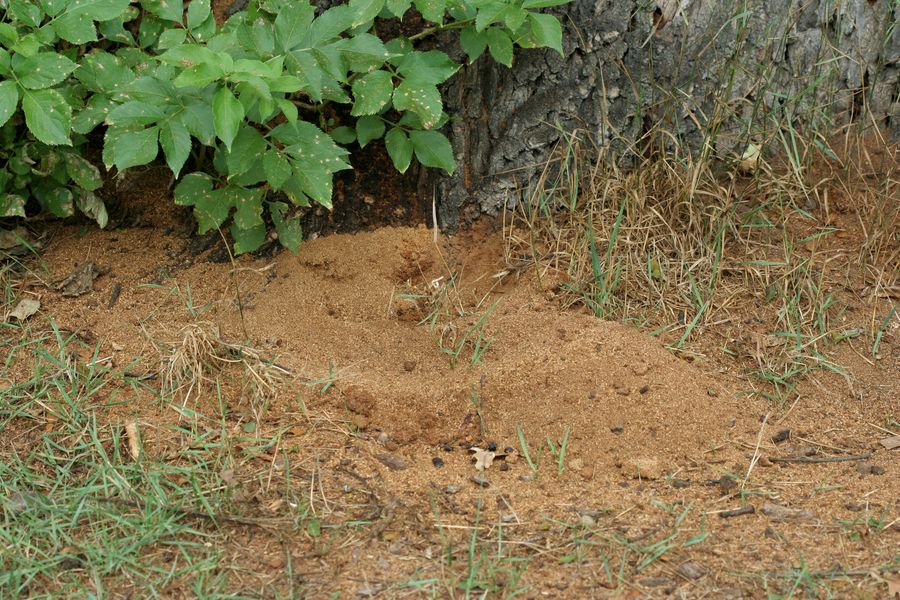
x=755 y=458
x=820 y=459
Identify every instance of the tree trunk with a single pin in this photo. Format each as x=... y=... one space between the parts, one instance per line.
x=705 y=70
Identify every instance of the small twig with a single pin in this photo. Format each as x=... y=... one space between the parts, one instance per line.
x=746 y=510
x=819 y=459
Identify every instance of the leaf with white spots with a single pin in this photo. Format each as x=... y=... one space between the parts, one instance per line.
x=103 y=72
x=371 y=93
x=9 y=99
x=48 y=116
x=290 y=233
x=277 y=168
x=128 y=148
x=422 y=98
x=176 y=143
x=246 y=151
x=43 y=70
x=93 y=207
x=546 y=31
x=500 y=45
x=170 y=10
x=83 y=173
x=433 y=66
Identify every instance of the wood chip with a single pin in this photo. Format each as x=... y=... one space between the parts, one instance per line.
x=891 y=443
x=134 y=439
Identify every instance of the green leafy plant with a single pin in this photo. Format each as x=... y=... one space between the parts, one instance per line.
x=241 y=106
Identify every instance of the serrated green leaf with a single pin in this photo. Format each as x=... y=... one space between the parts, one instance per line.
x=26 y=11
x=343 y=135
x=197 y=13
x=288 y=109
x=192 y=188
x=130 y=148
x=228 y=113
x=329 y=25
x=514 y=18
x=246 y=151
x=365 y=10
x=433 y=149
x=43 y=70
x=9 y=99
x=424 y=99
x=76 y=28
x=170 y=10
x=546 y=31
x=472 y=42
x=247 y=240
x=98 y=10
x=171 y=38
x=399 y=148
x=199 y=121
x=199 y=76
x=291 y=26
x=176 y=144
x=290 y=233
x=500 y=45
x=134 y=114
x=490 y=13
x=398 y=8
x=433 y=10
x=277 y=168
x=211 y=210
x=372 y=92
x=362 y=52
x=248 y=207
x=92 y=206
x=48 y=116
x=103 y=72
x=368 y=129
x=257 y=38
x=432 y=67
x=82 y=172
x=305 y=65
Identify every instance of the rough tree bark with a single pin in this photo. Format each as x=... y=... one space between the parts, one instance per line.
x=688 y=63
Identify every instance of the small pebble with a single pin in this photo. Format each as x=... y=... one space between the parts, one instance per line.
x=383 y=437
x=509 y=450
x=526 y=477
x=680 y=484
x=480 y=480
x=781 y=436
x=617 y=429
x=409 y=366
x=509 y=518
x=504 y=466
x=865 y=468
x=392 y=462
x=644 y=389
x=587 y=521
x=437 y=462
x=447 y=448
x=492 y=447
x=777 y=512
x=691 y=570
x=452 y=489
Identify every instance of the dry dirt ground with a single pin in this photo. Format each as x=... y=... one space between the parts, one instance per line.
x=347 y=451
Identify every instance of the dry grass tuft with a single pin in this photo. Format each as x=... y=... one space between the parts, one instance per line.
x=679 y=243
x=199 y=354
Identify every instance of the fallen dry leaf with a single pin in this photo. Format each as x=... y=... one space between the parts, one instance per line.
x=483 y=458
x=80 y=281
x=134 y=439
x=25 y=308
x=891 y=443
x=893 y=584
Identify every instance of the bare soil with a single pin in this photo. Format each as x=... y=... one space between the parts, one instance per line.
x=374 y=425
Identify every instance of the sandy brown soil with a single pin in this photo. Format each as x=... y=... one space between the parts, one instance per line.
x=650 y=436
